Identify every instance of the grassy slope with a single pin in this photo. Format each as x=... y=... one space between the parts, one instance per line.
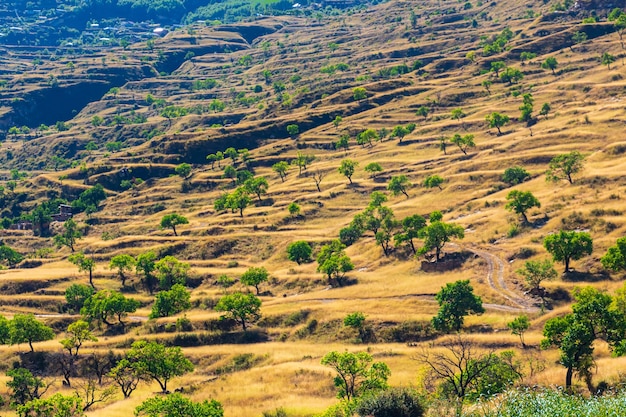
x=389 y=290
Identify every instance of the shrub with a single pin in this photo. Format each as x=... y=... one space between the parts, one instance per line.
x=395 y=402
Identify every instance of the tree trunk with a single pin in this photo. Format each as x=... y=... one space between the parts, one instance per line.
x=568 y=378
x=566 y=265
x=91 y=279
x=30 y=343
x=174 y=229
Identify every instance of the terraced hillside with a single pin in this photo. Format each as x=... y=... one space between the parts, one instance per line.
x=126 y=118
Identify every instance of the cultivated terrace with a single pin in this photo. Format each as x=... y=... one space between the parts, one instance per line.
x=310 y=209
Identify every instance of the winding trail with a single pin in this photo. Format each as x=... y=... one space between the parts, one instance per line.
x=495 y=278
x=496 y=267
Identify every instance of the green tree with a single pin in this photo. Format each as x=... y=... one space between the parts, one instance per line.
x=515 y=175
x=25 y=328
x=75 y=296
x=91 y=146
x=302 y=161
x=520 y=202
x=84 y=264
x=230 y=172
x=463 y=142
x=24 y=386
x=518 y=327
x=122 y=263
x=126 y=375
x=411 y=227
x=385 y=232
x=41 y=218
x=457 y=114
x=373 y=168
x=337 y=121
x=433 y=181
x=399 y=184
x=293 y=208
x=333 y=261
x=89 y=199
x=254 y=276
x=107 y=304
x=456 y=300
x=293 y=130
x=171 y=271
x=607 y=59
x=615 y=257
x=497 y=66
x=172 y=220
x=347 y=168
x=281 y=169
x=359 y=93
x=565 y=165
x=545 y=109
x=239 y=200
x=527 y=108
x=5 y=331
x=77 y=334
x=212 y=158
x=592 y=317
x=243 y=308
x=145 y=265
x=422 y=111
x=299 y=251
x=567 y=245
x=527 y=56
x=579 y=37
x=550 y=63
x=173 y=112
x=170 y=302
x=10 y=256
x=231 y=153
x=497 y=120
x=69 y=235
x=437 y=234
x=158 y=362
x=175 y=405
x=367 y=137
x=535 y=272
x=257 y=185
x=183 y=170
x=357 y=374
x=56 y=406
x=487 y=85
x=343 y=142
x=399 y=132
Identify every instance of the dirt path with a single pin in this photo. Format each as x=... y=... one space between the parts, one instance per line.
x=496 y=268
x=495 y=278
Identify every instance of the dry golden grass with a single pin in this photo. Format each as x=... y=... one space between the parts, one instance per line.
x=587 y=113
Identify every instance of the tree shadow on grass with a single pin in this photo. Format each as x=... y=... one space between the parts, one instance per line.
x=579 y=276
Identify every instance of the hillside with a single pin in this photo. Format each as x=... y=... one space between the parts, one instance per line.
x=125 y=117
